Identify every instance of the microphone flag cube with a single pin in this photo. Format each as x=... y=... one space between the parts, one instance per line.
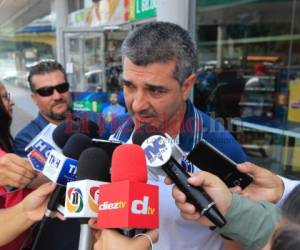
x=128 y=204
x=82 y=199
x=59 y=168
x=39 y=148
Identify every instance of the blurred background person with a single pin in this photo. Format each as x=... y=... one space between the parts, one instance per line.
x=6 y=110
x=114 y=109
x=15 y=172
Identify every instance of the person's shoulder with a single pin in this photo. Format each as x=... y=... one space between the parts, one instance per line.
x=32 y=128
x=208 y=121
x=216 y=134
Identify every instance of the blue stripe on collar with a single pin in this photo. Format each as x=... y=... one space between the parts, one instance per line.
x=191 y=129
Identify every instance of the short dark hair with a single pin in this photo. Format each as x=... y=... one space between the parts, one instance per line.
x=161 y=42
x=291 y=206
x=44 y=67
x=286 y=238
x=287 y=235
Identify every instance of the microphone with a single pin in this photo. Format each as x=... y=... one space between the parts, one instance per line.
x=62 y=167
x=71 y=151
x=82 y=195
x=158 y=151
x=128 y=202
x=54 y=137
x=40 y=146
x=67 y=128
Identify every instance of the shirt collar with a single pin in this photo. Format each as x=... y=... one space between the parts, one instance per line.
x=41 y=121
x=190 y=134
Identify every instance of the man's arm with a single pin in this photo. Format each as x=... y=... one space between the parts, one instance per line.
x=15 y=171
x=16 y=219
x=250 y=223
x=288 y=186
x=238 y=211
x=266 y=185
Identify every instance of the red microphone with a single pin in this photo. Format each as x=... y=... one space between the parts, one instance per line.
x=128 y=203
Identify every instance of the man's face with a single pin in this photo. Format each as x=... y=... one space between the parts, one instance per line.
x=55 y=106
x=113 y=99
x=153 y=96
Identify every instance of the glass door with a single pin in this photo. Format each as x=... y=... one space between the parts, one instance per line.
x=84 y=59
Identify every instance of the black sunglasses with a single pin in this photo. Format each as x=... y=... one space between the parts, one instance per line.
x=47 y=91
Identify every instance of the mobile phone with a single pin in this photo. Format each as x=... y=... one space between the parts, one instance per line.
x=206 y=157
x=107 y=146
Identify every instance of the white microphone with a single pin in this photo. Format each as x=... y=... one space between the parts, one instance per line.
x=82 y=196
x=40 y=147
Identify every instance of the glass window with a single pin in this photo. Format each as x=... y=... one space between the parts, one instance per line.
x=249 y=75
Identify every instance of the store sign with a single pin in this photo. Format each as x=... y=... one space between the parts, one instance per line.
x=100 y=13
x=76 y=19
x=145 y=9
x=205 y=3
x=294 y=101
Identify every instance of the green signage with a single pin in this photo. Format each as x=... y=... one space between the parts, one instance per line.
x=144 y=9
x=231 y=2
x=79 y=17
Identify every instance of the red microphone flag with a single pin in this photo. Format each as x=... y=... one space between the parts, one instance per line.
x=128 y=202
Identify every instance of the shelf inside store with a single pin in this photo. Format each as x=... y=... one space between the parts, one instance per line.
x=255 y=146
x=259 y=89
x=256 y=104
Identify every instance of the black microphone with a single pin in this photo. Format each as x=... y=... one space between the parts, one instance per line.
x=67 y=128
x=158 y=151
x=93 y=164
x=74 y=146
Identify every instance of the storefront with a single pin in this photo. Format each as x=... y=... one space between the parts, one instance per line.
x=91 y=41
x=248 y=58
x=249 y=69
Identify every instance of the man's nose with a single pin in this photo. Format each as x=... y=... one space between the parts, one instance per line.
x=140 y=102
x=56 y=95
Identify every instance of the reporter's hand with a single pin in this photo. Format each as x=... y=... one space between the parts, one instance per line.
x=266 y=186
x=214 y=187
x=15 y=171
x=35 y=203
x=109 y=239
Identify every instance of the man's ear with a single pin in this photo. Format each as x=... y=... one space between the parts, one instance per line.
x=187 y=86
x=33 y=97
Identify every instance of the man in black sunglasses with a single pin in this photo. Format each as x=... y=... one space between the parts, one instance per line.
x=50 y=92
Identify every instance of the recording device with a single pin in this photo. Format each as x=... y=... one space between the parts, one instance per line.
x=158 y=151
x=208 y=158
x=62 y=167
x=128 y=203
x=68 y=128
x=82 y=195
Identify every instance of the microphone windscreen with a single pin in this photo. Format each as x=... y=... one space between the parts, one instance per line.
x=129 y=163
x=67 y=128
x=90 y=128
x=63 y=132
x=93 y=164
x=75 y=145
x=144 y=132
